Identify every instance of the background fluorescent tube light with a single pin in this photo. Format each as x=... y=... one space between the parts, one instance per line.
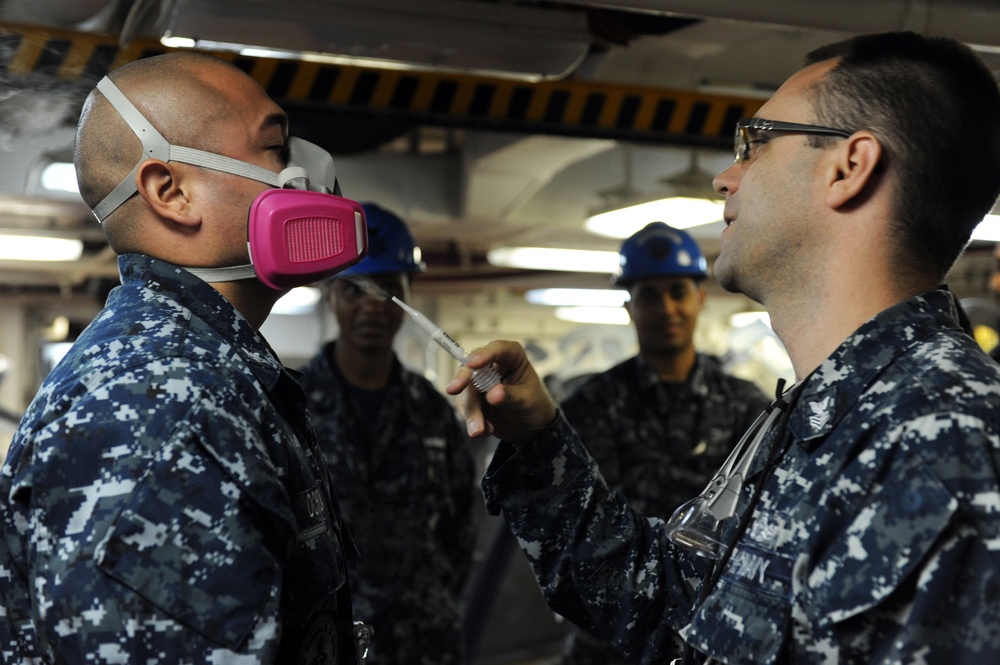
x=577 y=297
x=301 y=300
x=743 y=319
x=59 y=177
x=39 y=248
x=615 y=316
x=546 y=258
x=680 y=212
x=988 y=229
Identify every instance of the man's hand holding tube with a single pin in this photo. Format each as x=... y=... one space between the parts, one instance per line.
x=516 y=410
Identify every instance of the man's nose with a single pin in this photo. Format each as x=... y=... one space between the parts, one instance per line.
x=669 y=304
x=726 y=182
x=372 y=301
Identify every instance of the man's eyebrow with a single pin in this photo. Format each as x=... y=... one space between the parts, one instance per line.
x=279 y=120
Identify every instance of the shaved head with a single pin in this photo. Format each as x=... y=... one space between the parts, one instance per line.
x=178 y=94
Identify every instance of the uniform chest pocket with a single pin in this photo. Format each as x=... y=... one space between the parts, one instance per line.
x=746 y=619
x=187 y=541
x=748 y=614
x=887 y=540
x=316 y=567
x=414 y=467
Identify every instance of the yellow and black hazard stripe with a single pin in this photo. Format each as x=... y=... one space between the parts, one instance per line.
x=571 y=107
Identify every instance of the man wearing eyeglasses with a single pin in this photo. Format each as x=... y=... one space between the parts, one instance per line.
x=860 y=522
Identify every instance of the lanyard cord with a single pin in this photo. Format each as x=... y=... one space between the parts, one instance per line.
x=776 y=453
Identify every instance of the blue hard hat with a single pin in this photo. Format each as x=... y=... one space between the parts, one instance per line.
x=658 y=250
x=391 y=247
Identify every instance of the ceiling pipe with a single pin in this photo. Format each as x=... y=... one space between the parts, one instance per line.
x=86 y=14
x=501 y=181
x=495 y=38
x=970 y=21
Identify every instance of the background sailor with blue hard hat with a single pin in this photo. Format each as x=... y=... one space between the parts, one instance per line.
x=400 y=457
x=660 y=423
x=658 y=250
x=391 y=247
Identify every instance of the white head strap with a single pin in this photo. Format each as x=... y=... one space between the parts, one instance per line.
x=154 y=146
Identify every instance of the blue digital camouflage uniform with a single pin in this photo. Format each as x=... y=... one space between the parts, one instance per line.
x=407 y=485
x=875 y=539
x=163 y=501
x=658 y=443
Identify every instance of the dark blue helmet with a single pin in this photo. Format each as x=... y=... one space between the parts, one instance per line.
x=658 y=250
x=391 y=247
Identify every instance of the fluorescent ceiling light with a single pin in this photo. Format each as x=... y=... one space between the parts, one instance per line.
x=547 y=258
x=606 y=315
x=39 y=248
x=680 y=212
x=577 y=297
x=988 y=229
x=301 y=300
x=53 y=352
x=58 y=331
x=187 y=42
x=743 y=319
x=59 y=177
x=684 y=213
x=51 y=176
x=503 y=39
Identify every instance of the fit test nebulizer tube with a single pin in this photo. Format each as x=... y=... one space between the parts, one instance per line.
x=483 y=379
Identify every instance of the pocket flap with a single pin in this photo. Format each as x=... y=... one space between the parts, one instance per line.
x=187 y=543
x=897 y=526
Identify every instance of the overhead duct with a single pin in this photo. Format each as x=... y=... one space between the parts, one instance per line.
x=500 y=182
x=970 y=21
x=83 y=14
x=494 y=38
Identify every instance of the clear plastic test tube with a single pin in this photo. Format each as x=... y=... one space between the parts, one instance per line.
x=483 y=379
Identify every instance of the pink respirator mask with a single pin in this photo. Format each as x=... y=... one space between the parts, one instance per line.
x=298 y=233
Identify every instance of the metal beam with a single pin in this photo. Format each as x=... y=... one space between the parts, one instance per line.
x=569 y=107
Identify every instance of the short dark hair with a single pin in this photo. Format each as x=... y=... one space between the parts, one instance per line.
x=935 y=108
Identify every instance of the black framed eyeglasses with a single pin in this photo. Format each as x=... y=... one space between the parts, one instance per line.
x=749 y=131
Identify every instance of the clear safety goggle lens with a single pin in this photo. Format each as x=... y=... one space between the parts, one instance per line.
x=697 y=525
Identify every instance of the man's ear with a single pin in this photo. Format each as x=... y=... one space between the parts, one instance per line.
x=854 y=169
x=164 y=187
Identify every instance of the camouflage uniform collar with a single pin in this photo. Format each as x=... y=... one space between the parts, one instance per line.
x=696 y=384
x=830 y=391
x=328 y=363
x=189 y=292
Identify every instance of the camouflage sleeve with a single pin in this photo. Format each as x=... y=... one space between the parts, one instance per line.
x=141 y=545
x=599 y=564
